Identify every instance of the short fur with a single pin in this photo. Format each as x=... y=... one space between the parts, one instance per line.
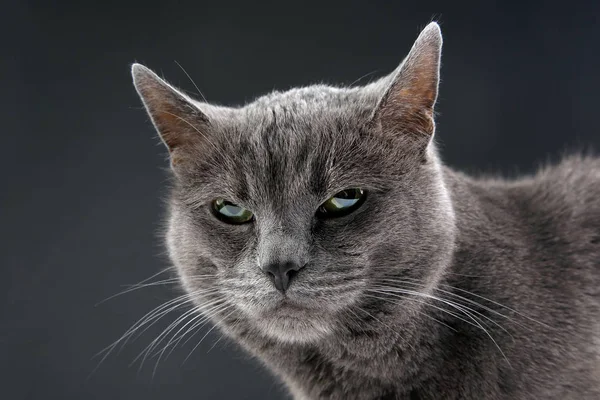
x=441 y=286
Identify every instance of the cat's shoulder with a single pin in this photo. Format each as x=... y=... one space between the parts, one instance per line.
x=574 y=174
x=574 y=180
x=573 y=169
x=568 y=187
x=565 y=192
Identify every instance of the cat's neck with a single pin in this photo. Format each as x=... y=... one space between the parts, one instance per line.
x=488 y=224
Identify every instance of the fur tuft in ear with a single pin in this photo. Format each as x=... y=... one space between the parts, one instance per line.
x=179 y=122
x=406 y=107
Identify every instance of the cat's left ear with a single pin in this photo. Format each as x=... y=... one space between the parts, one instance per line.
x=406 y=108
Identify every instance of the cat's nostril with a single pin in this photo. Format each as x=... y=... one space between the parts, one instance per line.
x=291 y=274
x=282 y=274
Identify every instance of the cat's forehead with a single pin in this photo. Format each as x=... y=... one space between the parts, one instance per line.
x=286 y=145
x=303 y=116
x=305 y=142
x=317 y=99
x=284 y=149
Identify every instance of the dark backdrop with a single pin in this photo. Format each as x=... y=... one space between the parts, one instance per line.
x=83 y=172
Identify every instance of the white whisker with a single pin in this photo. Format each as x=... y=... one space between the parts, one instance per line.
x=204 y=314
x=384 y=324
x=146 y=352
x=205 y=335
x=457 y=307
x=190 y=78
x=483 y=306
x=467 y=307
x=414 y=300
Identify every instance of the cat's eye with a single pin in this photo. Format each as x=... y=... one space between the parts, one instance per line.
x=342 y=203
x=231 y=213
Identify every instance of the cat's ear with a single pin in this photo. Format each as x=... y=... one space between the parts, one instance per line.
x=181 y=125
x=406 y=106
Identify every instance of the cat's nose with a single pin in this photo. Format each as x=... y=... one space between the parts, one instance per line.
x=282 y=273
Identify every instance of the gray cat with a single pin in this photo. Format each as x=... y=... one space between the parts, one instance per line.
x=319 y=229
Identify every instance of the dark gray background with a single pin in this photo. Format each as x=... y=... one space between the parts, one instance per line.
x=83 y=172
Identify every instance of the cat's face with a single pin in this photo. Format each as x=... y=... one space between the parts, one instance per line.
x=292 y=210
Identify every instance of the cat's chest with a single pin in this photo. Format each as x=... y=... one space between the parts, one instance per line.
x=320 y=375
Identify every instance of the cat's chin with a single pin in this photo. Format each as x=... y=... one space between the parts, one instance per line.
x=295 y=330
x=291 y=323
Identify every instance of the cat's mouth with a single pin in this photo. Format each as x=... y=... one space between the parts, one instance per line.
x=291 y=309
x=287 y=304
x=288 y=310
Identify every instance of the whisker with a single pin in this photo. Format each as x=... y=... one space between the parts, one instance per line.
x=393 y=291
x=500 y=305
x=203 y=322
x=147 y=316
x=216 y=342
x=459 y=308
x=189 y=298
x=149 y=319
x=137 y=286
x=205 y=335
x=190 y=78
x=197 y=130
x=144 y=354
x=142 y=321
x=362 y=77
x=204 y=315
x=386 y=325
x=420 y=312
x=140 y=282
x=169 y=329
x=469 y=308
x=420 y=302
x=489 y=300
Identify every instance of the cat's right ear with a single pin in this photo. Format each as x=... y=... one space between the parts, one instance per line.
x=406 y=109
x=181 y=125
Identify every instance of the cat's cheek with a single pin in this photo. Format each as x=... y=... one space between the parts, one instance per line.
x=197 y=236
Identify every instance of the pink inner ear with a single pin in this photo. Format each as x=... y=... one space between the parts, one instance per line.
x=407 y=106
x=421 y=90
x=174 y=129
x=407 y=119
x=178 y=122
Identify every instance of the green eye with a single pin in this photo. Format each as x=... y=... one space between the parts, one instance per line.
x=342 y=203
x=228 y=212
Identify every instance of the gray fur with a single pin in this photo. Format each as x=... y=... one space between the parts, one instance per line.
x=503 y=282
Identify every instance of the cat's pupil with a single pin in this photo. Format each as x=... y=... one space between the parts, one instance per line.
x=231 y=213
x=346 y=198
x=230 y=209
x=342 y=203
x=349 y=194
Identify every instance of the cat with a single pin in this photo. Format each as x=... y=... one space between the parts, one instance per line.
x=319 y=229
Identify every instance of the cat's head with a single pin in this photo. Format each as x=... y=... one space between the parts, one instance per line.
x=292 y=210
